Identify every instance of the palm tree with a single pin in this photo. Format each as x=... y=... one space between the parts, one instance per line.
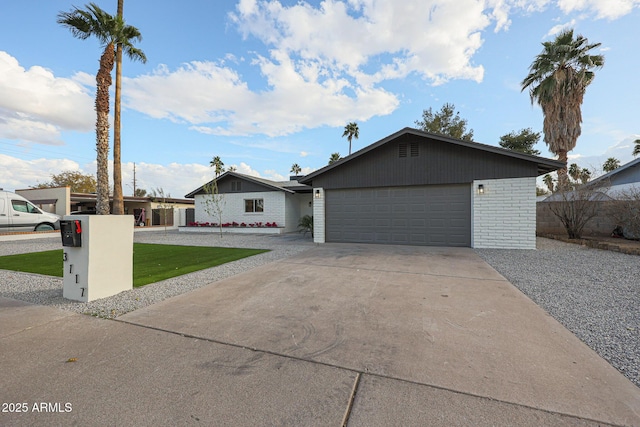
x=548 y=181
x=351 y=131
x=295 y=169
x=574 y=171
x=557 y=80
x=611 y=164
x=109 y=30
x=636 y=149
x=585 y=175
x=217 y=164
x=334 y=158
x=232 y=169
x=121 y=42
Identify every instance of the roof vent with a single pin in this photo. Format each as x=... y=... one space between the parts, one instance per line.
x=402 y=150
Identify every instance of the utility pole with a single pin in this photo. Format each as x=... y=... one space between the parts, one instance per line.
x=134 y=181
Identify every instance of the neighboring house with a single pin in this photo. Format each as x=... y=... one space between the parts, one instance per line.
x=608 y=189
x=417 y=188
x=61 y=201
x=252 y=200
x=623 y=178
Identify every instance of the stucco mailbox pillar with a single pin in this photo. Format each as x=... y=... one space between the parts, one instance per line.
x=97 y=256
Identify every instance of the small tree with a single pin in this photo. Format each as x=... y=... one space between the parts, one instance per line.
x=165 y=207
x=334 y=158
x=445 y=122
x=636 y=148
x=296 y=169
x=214 y=202
x=576 y=206
x=306 y=225
x=522 y=141
x=77 y=181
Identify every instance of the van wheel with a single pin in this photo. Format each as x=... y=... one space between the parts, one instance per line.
x=44 y=227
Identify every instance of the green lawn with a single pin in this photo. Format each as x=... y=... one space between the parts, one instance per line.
x=151 y=263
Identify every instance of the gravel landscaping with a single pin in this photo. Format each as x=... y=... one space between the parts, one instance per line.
x=46 y=290
x=593 y=293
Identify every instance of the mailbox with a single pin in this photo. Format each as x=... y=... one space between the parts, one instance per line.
x=71 y=231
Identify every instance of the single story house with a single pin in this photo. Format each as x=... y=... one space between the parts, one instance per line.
x=255 y=202
x=61 y=201
x=417 y=188
x=610 y=194
x=624 y=178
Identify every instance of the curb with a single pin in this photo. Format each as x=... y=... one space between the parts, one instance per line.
x=595 y=244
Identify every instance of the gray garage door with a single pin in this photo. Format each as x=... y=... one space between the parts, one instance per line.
x=433 y=215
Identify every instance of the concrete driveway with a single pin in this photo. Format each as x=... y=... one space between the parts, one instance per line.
x=364 y=334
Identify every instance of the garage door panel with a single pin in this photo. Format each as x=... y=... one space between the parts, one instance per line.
x=424 y=215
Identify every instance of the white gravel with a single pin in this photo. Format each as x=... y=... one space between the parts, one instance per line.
x=593 y=293
x=46 y=290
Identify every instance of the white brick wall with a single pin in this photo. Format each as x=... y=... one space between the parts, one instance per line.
x=505 y=215
x=318 y=216
x=233 y=209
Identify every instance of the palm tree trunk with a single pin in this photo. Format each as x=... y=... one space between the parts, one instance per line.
x=563 y=178
x=103 y=80
x=118 y=198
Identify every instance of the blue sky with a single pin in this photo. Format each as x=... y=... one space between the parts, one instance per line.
x=265 y=84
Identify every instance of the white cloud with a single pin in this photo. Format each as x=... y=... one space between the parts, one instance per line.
x=303 y=154
x=216 y=101
x=435 y=39
x=21 y=174
x=324 y=64
x=557 y=29
x=35 y=105
x=603 y=9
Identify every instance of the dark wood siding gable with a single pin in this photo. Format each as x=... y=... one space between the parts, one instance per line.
x=416 y=160
x=228 y=184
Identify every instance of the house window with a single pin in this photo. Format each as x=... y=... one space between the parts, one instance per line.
x=254 y=205
x=236 y=186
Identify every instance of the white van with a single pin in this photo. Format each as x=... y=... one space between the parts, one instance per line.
x=19 y=214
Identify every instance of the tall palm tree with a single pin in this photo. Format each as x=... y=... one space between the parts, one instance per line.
x=334 y=158
x=611 y=164
x=118 y=200
x=557 y=80
x=217 y=165
x=351 y=131
x=296 y=169
x=636 y=149
x=109 y=30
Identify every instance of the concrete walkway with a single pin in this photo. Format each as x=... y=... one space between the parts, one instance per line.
x=365 y=335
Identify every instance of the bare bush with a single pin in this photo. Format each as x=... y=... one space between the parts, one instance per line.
x=626 y=211
x=578 y=205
